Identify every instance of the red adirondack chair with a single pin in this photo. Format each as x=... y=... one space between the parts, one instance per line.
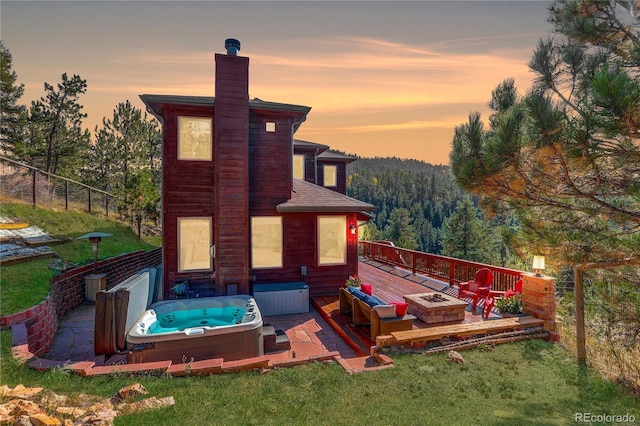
x=490 y=300
x=476 y=288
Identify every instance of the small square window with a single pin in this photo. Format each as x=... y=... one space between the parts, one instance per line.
x=270 y=126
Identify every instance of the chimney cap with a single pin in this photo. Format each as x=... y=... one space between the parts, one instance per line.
x=232 y=45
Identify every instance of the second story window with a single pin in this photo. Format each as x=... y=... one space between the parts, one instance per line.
x=330 y=174
x=270 y=126
x=194 y=138
x=298 y=166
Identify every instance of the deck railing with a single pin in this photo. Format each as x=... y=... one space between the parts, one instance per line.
x=442 y=268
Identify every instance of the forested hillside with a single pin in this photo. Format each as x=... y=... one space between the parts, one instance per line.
x=413 y=198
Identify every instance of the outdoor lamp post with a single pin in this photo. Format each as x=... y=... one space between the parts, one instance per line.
x=538 y=265
x=94 y=238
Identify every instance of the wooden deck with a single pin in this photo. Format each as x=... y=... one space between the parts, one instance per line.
x=392 y=283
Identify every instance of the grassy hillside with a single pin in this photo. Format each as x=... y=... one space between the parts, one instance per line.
x=26 y=284
x=523 y=383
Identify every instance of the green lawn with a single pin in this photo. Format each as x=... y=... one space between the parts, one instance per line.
x=26 y=284
x=524 y=383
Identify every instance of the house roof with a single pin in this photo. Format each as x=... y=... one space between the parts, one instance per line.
x=312 y=145
x=155 y=103
x=336 y=156
x=311 y=198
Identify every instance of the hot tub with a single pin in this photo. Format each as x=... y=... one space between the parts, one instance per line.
x=182 y=330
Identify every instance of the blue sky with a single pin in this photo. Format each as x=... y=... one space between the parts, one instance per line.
x=382 y=78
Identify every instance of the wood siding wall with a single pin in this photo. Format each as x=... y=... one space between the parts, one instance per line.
x=301 y=248
x=270 y=162
x=231 y=152
x=188 y=191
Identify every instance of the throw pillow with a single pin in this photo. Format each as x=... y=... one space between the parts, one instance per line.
x=385 y=311
x=366 y=289
x=401 y=308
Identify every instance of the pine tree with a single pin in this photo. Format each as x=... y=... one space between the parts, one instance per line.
x=57 y=143
x=465 y=235
x=12 y=115
x=400 y=229
x=565 y=156
x=125 y=160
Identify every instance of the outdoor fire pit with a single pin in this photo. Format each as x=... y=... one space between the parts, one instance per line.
x=434 y=298
x=433 y=308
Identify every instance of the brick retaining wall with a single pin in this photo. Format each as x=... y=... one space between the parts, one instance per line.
x=68 y=287
x=67 y=293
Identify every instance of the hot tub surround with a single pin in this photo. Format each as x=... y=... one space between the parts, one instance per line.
x=200 y=334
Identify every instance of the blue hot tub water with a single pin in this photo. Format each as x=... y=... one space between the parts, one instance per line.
x=204 y=317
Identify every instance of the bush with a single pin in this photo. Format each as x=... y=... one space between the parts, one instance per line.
x=510 y=305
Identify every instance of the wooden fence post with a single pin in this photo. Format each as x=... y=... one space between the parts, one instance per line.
x=33 y=188
x=66 y=195
x=578 y=277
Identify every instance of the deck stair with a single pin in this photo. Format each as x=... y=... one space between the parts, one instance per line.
x=274 y=340
x=461 y=330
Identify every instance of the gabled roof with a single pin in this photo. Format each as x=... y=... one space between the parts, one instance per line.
x=155 y=104
x=311 y=198
x=336 y=156
x=297 y=143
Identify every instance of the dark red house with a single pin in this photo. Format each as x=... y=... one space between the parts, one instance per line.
x=317 y=164
x=233 y=213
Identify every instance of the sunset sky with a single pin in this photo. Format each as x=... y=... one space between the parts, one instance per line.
x=383 y=78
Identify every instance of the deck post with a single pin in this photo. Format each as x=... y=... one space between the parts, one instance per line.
x=539 y=299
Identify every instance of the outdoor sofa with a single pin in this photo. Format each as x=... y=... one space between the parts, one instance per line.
x=366 y=309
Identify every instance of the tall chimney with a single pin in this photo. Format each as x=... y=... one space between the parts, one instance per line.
x=231 y=151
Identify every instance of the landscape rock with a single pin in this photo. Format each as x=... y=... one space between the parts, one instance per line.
x=31 y=407
x=44 y=420
x=18 y=392
x=21 y=421
x=131 y=391
x=455 y=357
x=152 y=403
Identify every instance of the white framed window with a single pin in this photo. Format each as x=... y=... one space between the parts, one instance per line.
x=270 y=126
x=332 y=240
x=298 y=166
x=194 y=243
x=330 y=175
x=195 y=138
x=266 y=242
